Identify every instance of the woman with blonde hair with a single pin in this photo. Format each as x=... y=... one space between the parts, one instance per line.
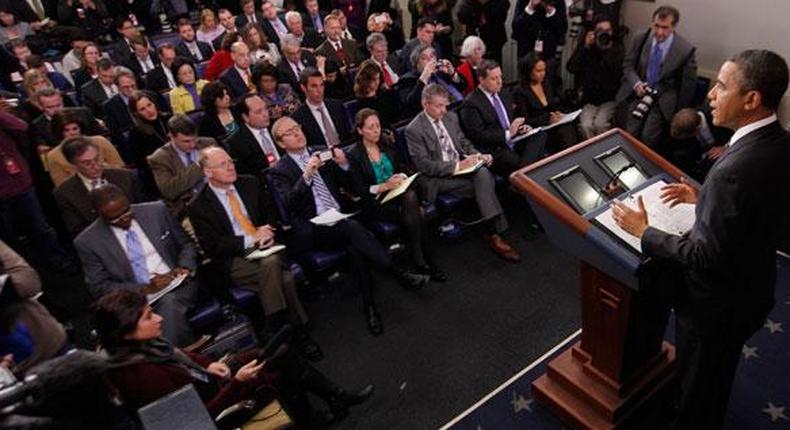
x=260 y=48
x=209 y=28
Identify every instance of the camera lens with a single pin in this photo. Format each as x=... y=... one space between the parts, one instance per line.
x=603 y=38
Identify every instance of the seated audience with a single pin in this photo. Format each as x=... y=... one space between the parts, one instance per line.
x=336 y=85
x=140 y=248
x=309 y=187
x=343 y=51
x=97 y=91
x=539 y=24
x=222 y=59
x=699 y=143
x=161 y=78
x=439 y=149
x=129 y=330
x=315 y=16
x=12 y=28
x=252 y=145
x=186 y=96
x=426 y=31
x=308 y=38
x=488 y=120
x=35 y=62
x=88 y=70
x=440 y=13
x=73 y=195
x=228 y=23
x=369 y=93
x=116 y=108
x=189 y=47
x=209 y=28
x=324 y=121
x=598 y=68
x=376 y=168
x=472 y=51
x=428 y=69
x=33 y=81
x=294 y=61
x=175 y=167
x=382 y=23
x=44 y=337
x=280 y=98
x=272 y=22
x=248 y=14
x=51 y=102
x=230 y=218
x=143 y=61
x=388 y=63
x=238 y=78
x=351 y=32
x=148 y=134
x=260 y=47
x=219 y=119
x=66 y=125
x=72 y=60
x=127 y=30
x=535 y=100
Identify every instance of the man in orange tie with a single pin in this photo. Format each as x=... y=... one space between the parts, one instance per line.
x=230 y=218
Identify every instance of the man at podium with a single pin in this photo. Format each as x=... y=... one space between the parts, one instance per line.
x=727 y=259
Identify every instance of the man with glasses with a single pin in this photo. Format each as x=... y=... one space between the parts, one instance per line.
x=142 y=248
x=73 y=196
x=231 y=217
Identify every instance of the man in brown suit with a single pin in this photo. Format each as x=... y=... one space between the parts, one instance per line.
x=73 y=196
x=175 y=167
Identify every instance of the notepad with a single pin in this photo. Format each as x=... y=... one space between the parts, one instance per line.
x=330 y=217
x=470 y=169
x=400 y=189
x=265 y=252
x=178 y=280
x=566 y=118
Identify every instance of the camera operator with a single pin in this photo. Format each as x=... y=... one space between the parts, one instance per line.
x=539 y=26
x=597 y=64
x=660 y=72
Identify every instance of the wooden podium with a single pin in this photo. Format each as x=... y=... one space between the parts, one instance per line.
x=621 y=362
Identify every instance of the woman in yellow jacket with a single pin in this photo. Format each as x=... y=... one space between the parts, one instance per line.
x=186 y=96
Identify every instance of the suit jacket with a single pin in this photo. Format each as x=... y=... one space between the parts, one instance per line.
x=133 y=63
x=315 y=137
x=74 y=201
x=530 y=107
x=728 y=257
x=175 y=181
x=105 y=263
x=93 y=97
x=213 y=227
x=205 y=50
x=308 y=21
x=244 y=148
x=235 y=82
x=480 y=121
x=287 y=74
x=42 y=127
x=426 y=152
x=363 y=177
x=118 y=116
x=352 y=55
x=297 y=201
x=268 y=28
x=311 y=39
x=241 y=20
x=526 y=29
x=24 y=12
x=121 y=51
x=677 y=81
x=156 y=80
x=80 y=77
x=410 y=88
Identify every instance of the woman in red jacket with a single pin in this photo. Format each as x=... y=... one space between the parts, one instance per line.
x=145 y=367
x=221 y=60
x=472 y=51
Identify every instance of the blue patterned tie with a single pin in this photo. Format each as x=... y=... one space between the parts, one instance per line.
x=654 y=66
x=500 y=112
x=134 y=250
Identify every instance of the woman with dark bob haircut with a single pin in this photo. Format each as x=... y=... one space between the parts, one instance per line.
x=280 y=98
x=377 y=168
x=145 y=367
x=148 y=134
x=219 y=120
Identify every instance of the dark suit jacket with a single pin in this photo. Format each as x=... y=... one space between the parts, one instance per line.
x=42 y=127
x=529 y=106
x=235 y=83
x=728 y=257
x=205 y=50
x=678 y=80
x=244 y=148
x=241 y=19
x=363 y=177
x=287 y=74
x=156 y=80
x=480 y=122
x=311 y=39
x=121 y=51
x=134 y=65
x=297 y=199
x=526 y=29
x=350 y=49
x=268 y=28
x=308 y=20
x=410 y=88
x=93 y=97
x=117 y=114
x=80 y=77
x=74 y=199
x=312 y=130
x=213 y=227
x=24 y=12
x=105 y=263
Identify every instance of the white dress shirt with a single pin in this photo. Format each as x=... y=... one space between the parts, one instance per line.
x=748 y=128
x=155 y=263
x=222 y=196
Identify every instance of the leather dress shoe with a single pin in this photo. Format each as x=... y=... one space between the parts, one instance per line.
x=434 y=272
x=307 y=346
x=412 y=280
x=375 y=325
x=343 y=400
x=502 y=248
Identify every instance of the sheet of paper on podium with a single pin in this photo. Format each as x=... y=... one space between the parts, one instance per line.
x=677 y=220
x=400 y=189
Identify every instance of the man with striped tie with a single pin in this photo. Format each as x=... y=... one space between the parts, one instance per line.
x=308 y=186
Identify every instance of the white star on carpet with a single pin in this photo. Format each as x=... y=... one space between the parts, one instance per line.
x=749 y=352
x=520 y=403
x=773 y=327
x=776 y=412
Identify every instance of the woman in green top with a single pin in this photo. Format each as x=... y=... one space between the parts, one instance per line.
x=377 y=168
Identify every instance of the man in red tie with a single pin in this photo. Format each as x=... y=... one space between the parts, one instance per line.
x=379 y=52
x=343 y=51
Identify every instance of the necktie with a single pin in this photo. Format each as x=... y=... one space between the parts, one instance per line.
x=268 y=147
x=193 y=48
x=341 y=53
x=298 y=67
x=169 y=74
x=134 y=250
x=320 y=188
x=251 y=18
x=449 y=153
x=238 y=215
x=331 y=135
x=654 y=66
x=319 y=26
x=500 y=112
x=279 y=27
x=386 y=75
x=189 y=159
x=38 y=8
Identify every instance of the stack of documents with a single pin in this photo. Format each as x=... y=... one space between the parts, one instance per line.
x=170 y=287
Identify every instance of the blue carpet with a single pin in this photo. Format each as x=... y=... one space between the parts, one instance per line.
x=760 y=396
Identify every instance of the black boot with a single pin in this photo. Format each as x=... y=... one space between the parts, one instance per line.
x=338 y=399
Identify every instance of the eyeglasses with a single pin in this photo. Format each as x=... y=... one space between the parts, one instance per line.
x=122 y=217
x=291 y=131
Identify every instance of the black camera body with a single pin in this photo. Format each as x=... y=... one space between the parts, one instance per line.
x=645 y=103
x=604 y=39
